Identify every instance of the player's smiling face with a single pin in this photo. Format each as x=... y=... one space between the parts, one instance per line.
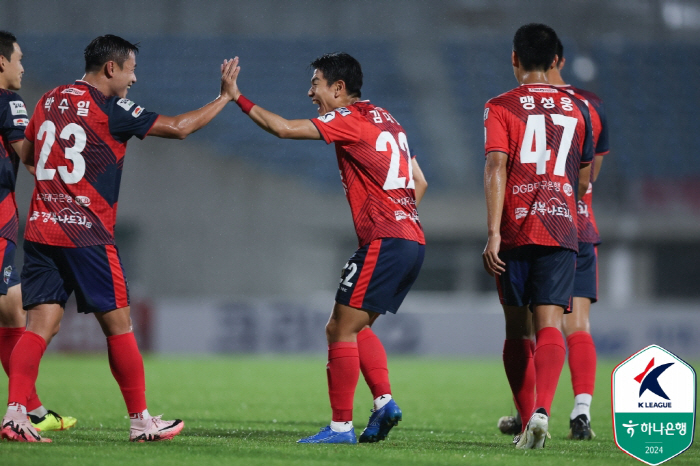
x=125 y=76
x=322 y=94
x=14 y=69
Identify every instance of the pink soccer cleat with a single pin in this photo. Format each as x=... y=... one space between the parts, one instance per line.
x=16 y=427
x=155 y=429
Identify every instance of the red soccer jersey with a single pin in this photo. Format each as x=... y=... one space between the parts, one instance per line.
x=376 y=171
x=13 y=121
x=546 y=133
x=587 y=228
x=79 y=138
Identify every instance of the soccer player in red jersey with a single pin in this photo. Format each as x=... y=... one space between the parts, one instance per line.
x=75 y=145
x=538 y=153
x=13 y=319
x=383 y=185
x=576 y=325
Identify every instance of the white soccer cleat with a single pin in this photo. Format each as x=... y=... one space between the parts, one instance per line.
x=16 y=427
x=536 y=432
x=155 y=429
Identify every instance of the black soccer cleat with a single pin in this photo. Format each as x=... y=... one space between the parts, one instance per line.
x=580 y=428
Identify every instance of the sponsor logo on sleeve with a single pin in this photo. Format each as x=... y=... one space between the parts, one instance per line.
x=126 y=104
x=21 y=121
x=486 y=113
x=72 y=90
x=343 y=111
x=327 y=117
x=137 y=111
x=17 y=107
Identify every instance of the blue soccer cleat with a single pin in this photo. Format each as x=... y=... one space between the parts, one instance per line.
x=380 y=422
x=326 y=435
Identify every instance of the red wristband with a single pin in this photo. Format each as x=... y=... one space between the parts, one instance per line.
x=245 y=104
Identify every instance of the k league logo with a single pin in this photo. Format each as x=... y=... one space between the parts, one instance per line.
x=653 y=398
x=650 y=382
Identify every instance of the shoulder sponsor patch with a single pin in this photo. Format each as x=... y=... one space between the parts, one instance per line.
x=327 y=117
x=137 y=111
x=17 y=107
x=126 y=104
x=20 y=121
x=343 y=111
x=72 y=90
x=486 y=113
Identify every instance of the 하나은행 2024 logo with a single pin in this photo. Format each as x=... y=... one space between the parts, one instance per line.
x=653 y=403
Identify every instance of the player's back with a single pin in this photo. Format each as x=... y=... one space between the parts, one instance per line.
x=376 y=170
x=78 y=157
x=587 y=227
x=546 y=134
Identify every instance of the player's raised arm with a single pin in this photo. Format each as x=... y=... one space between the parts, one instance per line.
x=495 y=189
x=271 y=122
x=181 y=126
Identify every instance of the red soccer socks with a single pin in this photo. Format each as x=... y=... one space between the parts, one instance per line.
x=582 y=362
x=550 y=354
x=343 y=370
x=24 y=367
x=520 y=371
x=373 y=363
x=127 y=367
x=8 y=339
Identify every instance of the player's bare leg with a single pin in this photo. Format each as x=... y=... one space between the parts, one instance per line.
x=582 y=363
x=126 y=364
x=43 y=323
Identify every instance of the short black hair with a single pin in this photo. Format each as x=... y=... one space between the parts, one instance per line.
x=339 y=66
x=560 y=51
x=107 y=48
x=7 y=44
x=535 y=45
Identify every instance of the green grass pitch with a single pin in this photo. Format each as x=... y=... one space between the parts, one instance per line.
x=250 y=410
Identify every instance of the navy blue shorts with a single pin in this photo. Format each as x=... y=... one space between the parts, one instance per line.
x=379 y=275
x=10 y=276
x=537 y=275
x=586 y=280
x=95 y=273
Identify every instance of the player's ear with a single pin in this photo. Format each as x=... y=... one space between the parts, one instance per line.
x=3 y=63
x=109 y=69
x=562 y=63
x=554 y=62
x=514 y=59
x=338 y=87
